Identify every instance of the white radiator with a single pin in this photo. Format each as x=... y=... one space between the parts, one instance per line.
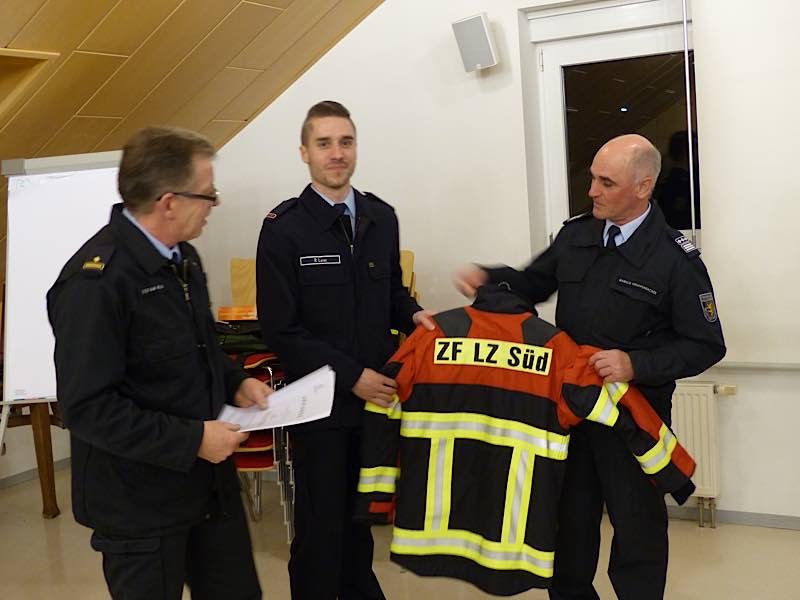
x=694 y=421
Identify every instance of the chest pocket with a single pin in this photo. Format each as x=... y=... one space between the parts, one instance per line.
x=640 y=300
x=171 y=344
x=324 y=274
x=378 y=269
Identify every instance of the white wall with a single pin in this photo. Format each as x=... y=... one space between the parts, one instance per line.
x=748 y=94
x=747 y=98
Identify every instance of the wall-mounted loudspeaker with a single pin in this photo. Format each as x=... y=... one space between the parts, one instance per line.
x=475 y=42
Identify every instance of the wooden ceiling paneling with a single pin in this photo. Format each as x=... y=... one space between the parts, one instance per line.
x=219 y=131
x=312 y=44
x=14 y=14
x=174 y=40
x=60 y=25
x=57 y=27
x=57 y=102
x=275 y=3
x=127 y=25
x=189 y=77
x=224 y=87
x=118 y=65
x=283 y=34
x=78 y=134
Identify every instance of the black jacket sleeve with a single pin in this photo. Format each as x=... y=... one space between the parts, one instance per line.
x=537 y=281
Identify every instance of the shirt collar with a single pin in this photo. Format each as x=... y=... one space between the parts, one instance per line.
x=626 y=231
x=349 y=200
x=158 y=244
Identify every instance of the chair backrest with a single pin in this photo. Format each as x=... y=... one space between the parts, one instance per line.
x=243 y=281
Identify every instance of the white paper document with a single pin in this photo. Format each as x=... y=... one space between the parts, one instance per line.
x=307 y=399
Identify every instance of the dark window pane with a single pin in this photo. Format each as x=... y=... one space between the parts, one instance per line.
x=644 y=95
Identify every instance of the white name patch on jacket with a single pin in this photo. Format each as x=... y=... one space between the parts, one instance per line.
x=322 y=259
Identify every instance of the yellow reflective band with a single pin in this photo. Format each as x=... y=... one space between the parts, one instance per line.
x=492 y=430
x=525 y=498
x=616 y=390
x=660 y=455
x=394 y=411
x=430 y=496
x=605 y=409
x=447 y=483
x=511 y=488
x=493 y=353
x=378 y=479
x=493 y=555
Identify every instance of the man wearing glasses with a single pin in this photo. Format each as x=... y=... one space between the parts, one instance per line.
x=141 y=379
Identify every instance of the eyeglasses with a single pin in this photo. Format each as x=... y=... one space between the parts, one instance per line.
x=209 y=197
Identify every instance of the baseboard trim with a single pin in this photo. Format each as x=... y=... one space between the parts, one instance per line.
x=30 y=474
x=735 y=517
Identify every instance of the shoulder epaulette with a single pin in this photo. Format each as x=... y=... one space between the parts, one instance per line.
x=684 y=243
x=579 y=217
x=372 y=196
x=284 y=206
x=95 y=260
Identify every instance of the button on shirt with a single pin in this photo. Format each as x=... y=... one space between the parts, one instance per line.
x=626 y=231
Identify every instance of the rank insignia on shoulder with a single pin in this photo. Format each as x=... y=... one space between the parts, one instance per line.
x=96 y=264
x=709 y=307
x=686 y=245
x=276 y=212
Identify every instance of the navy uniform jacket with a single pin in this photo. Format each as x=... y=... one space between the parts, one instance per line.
x=321 y=303
x=138 y=370
x=651 y=298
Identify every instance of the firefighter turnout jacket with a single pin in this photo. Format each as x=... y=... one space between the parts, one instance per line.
x=469 y=461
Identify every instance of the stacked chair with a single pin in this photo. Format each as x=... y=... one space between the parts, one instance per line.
x=267 y=450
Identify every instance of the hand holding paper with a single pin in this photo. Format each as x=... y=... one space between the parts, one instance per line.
x=307 y=399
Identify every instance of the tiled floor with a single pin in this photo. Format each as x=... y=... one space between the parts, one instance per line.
x=42 y=559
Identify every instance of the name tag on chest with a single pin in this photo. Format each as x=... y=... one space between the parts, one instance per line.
x=320 y=260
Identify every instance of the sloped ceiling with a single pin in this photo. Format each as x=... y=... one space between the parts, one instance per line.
x=80 y=76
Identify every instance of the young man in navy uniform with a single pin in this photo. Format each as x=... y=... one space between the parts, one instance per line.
x=630 y=284
x=141 y=380
x=329 y=291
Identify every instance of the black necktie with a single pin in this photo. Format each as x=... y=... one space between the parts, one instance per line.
x=347 y=225
x=613 y=231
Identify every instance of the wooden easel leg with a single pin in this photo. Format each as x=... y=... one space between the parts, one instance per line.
x=40 y=423
x=5 y=412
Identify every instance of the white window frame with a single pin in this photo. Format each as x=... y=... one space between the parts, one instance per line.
x=574 y=33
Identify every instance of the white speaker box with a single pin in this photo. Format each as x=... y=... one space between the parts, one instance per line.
x=475 y=42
